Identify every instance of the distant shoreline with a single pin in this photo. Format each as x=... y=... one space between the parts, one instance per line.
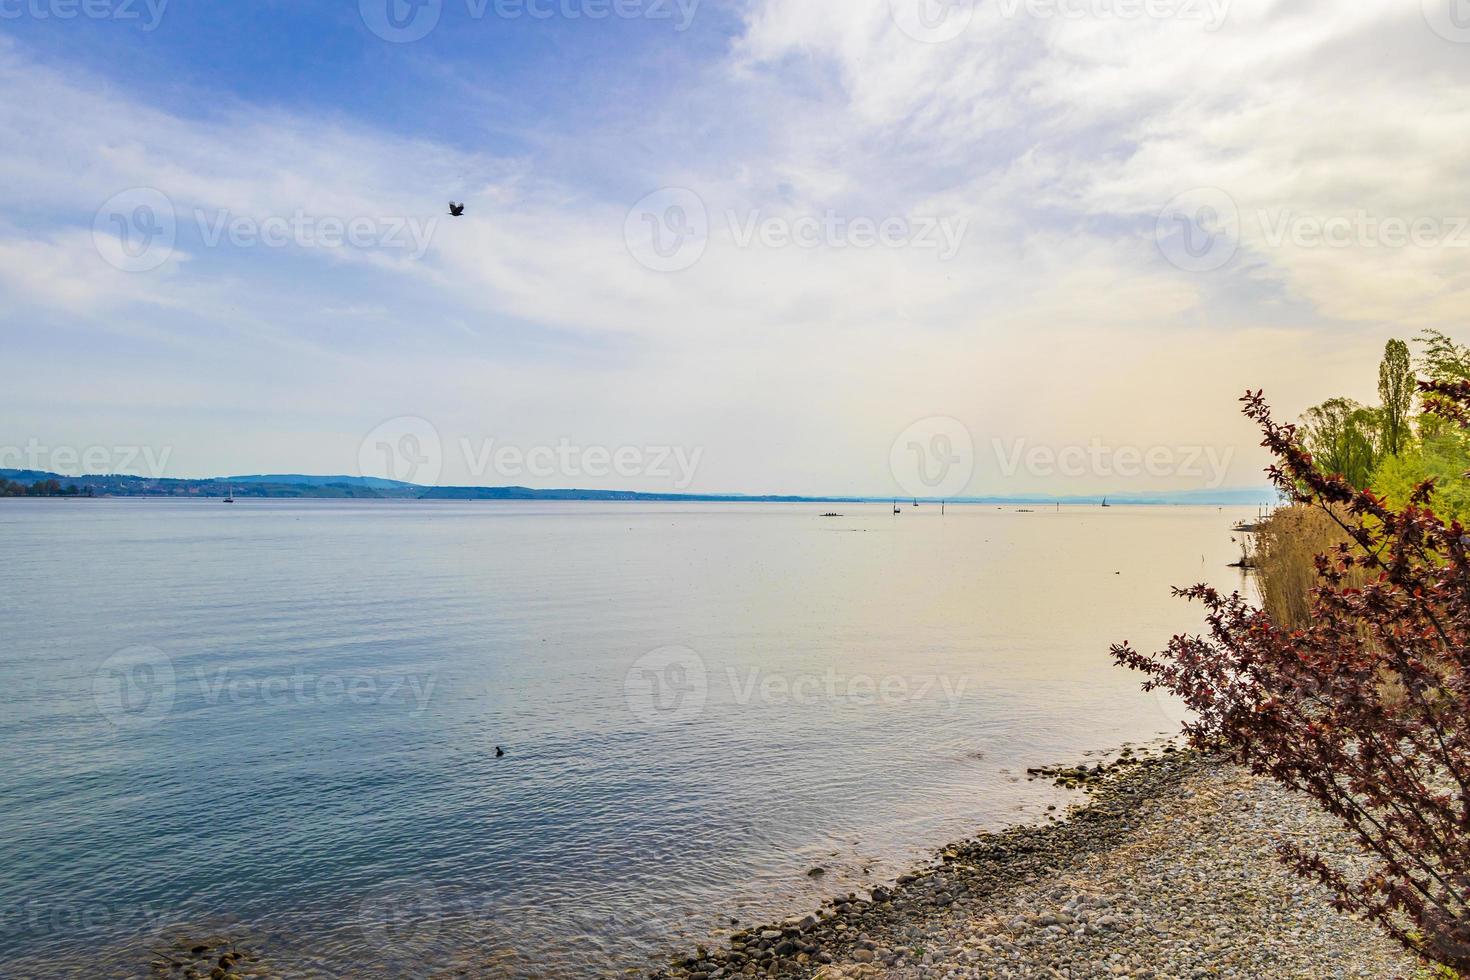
x=296 y=487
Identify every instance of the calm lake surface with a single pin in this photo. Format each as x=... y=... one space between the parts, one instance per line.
x=279 y=719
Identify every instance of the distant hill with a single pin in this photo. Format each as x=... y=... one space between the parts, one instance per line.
x=116 y=485
x=296 y=479
x=291 y=485
x=1223 y=497
x=525 y=493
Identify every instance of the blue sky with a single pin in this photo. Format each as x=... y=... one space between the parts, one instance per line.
x=673 y=238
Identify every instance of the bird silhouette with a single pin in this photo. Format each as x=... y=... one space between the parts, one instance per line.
x=456 y=210
x=499 y=752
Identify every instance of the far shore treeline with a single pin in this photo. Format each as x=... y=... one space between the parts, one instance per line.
x=42 y=488
x=288 y=487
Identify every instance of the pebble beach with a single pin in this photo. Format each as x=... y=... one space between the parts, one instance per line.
x=1167 y=869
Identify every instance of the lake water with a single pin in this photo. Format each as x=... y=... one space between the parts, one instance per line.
x=280 y=718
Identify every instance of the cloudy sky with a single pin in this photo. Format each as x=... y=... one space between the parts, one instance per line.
x=719 y=245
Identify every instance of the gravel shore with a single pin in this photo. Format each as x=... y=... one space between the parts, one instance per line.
x=1168 y=870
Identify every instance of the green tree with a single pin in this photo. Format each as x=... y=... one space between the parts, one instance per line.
x=1442 y=450
x=1442 y=360
x=1442 y=458
x=1396 y=391
x=1342 y=435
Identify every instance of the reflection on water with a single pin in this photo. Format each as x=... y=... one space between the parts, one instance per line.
x=279 y=720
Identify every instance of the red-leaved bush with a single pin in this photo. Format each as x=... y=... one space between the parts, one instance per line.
x=1368 y=708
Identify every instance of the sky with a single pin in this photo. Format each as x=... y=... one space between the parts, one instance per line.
x=915 y=247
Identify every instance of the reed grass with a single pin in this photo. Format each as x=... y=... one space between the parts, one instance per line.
x=1284 y=554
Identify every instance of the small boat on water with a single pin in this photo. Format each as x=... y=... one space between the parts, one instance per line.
x=230 y=495
x=1105 y=502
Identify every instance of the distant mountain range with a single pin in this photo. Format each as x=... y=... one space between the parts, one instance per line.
x=294 y=485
